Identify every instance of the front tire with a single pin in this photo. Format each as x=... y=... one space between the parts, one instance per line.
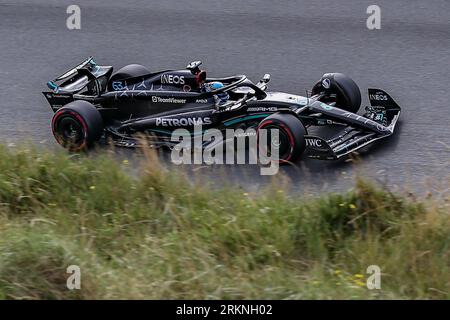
x=340 y=89
x=291 y=141
x=77 y=126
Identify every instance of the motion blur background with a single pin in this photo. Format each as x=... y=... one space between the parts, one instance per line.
x=295 y=41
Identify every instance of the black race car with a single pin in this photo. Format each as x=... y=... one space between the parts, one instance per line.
x=92 y=104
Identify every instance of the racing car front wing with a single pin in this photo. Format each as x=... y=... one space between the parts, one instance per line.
x=359 y=132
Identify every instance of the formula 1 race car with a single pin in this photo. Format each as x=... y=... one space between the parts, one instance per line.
x=92 y=104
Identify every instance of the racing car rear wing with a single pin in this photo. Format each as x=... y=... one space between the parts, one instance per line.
x=88 y=62
x=87 y=68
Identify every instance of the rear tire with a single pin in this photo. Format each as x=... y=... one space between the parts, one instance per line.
x=77 y=126
x=340 y=89
x=291 y=143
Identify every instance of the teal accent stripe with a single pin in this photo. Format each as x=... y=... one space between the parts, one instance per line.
x=161 y=131
x=255 y=116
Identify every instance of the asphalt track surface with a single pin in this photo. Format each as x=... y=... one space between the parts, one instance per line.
x=295 y=41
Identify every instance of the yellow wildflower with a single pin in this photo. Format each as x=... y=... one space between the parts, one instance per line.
x=360 y=283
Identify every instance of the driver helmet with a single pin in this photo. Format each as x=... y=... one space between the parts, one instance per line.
x=221 y=98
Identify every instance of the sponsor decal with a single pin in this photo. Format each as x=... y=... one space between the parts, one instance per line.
x=117 y=85
x=367 y=121
x=248 y=133
x=379 y=117
x=201 y=101
x=322 y=122
x=378 y=97
x=142 y=84
x=380 y=127
x=172 y=79
x=156 y=99
x=167 y=122
x=222 y=110
x=317 y=143
x=262 y=109
x=325 y=106
x=299 y=100
x=61 y=96
x=326 y=83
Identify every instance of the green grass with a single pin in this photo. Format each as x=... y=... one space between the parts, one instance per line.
x=158 y=236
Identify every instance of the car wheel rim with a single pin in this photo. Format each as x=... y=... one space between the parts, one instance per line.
x=70 y=132
x=282 y=144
